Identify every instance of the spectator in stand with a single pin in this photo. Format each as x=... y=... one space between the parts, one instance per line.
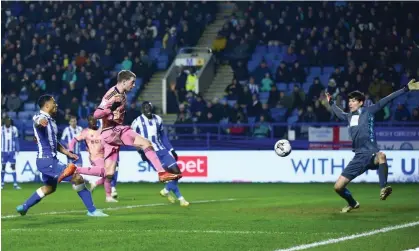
x=69 y=77
x=254 y=109
x=298 y=73
x=266 y=83
x=233 y=90
x=273 y=97
x=415 y=115
x=13 y=102
x=262 y=128
x=127 y=63
x=260 y=71
x=240 y=72
x=282 y=73
x=322 y=114
x=314 y=91
x=245 y=98
x=401 y=114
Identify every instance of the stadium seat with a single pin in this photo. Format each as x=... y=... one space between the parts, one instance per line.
x=29 y=107
x=292 y=119
x=315 y=71
x=261 y=49
x=12 y=115
x=306 y=87
x=282 y=86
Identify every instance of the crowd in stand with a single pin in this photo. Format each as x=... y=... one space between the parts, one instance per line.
x=370 y=45
x=71 y=49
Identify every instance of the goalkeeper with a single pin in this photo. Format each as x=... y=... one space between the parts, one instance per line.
x=364 y=144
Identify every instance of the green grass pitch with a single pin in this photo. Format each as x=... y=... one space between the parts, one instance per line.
x=257 y=217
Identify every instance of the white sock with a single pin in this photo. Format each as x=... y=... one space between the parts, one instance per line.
x=181 y=198
x=165 y=191
x=113 y=189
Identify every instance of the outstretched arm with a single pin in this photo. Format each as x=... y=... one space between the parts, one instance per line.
x=106 y=107
x=411 y=86
x=335 y=109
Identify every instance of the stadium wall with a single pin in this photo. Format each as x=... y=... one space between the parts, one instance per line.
x=245 y=166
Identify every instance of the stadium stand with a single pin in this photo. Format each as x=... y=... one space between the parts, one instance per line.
x=284 y=56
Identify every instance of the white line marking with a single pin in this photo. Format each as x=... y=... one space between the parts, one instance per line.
x=160 y=231
x=117 y=208
x=413 y=249
x=350 y=237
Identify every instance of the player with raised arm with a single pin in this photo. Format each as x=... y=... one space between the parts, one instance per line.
x=151 y=127
x=52 y=170
x=91 y=136
x=9 y=150
x=364 y=144
x=112 y=111
x=69 y=133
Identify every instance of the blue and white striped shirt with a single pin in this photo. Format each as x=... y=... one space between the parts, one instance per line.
x=68 y=134
x=152 y=129
x=46 y=136
x=9 y=139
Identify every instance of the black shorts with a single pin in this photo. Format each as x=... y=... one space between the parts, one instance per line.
x=360 y=163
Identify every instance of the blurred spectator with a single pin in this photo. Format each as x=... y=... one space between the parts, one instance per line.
x=401 y=114
x=262 y=128
x=253 y=87
x=254 y=109
x=298 y=73
x=245 y=98
x=13 y=102
x=273 y=96
x=233 y=90
x=314 y=90
x=282 y=73
x=415 y=115
x=266 y=83
x=127 y=63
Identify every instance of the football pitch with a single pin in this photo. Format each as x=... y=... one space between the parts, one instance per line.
x=221 y=217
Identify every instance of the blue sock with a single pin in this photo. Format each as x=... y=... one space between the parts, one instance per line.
x=34 y=199
x=14 y=177
x=168 y=186
x=114 y=179
x=346 y=194
x=86 y=197
x=383 y=174
x=175 y=188
x=2 y=176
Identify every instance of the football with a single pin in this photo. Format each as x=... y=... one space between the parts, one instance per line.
x=282 y=148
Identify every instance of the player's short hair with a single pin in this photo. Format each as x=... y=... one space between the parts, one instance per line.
x=125 y=75
x=357 y=95
x=73 y=117
x=43 y=99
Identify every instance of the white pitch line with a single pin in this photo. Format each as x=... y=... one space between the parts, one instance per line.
x=117 y=208
x=160 y=231
x=350 y=237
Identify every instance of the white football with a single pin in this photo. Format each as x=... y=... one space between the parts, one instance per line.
x=282 y=148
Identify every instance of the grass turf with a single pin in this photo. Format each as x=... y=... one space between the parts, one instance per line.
x=262 y=217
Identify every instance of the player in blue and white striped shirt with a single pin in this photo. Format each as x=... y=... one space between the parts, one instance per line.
x=150 y=126
x=9 y=149
x=69 y=133
x=53 y=171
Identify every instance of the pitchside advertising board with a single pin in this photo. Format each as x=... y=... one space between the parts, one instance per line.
x=388 y=138
x=246 y=166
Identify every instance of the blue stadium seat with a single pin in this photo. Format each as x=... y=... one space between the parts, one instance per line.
x=398 y=67
x=274 y=49
x=315 y=71
x=251 y=120
x=281 y=86
x=252 y=65
x=292 y=119
x=260 y=49
x=163 y=58
x=12 y=115
x=29 y=106
x=158 y=44
x=23 y=115
x=162 y=65
x=328 y=70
